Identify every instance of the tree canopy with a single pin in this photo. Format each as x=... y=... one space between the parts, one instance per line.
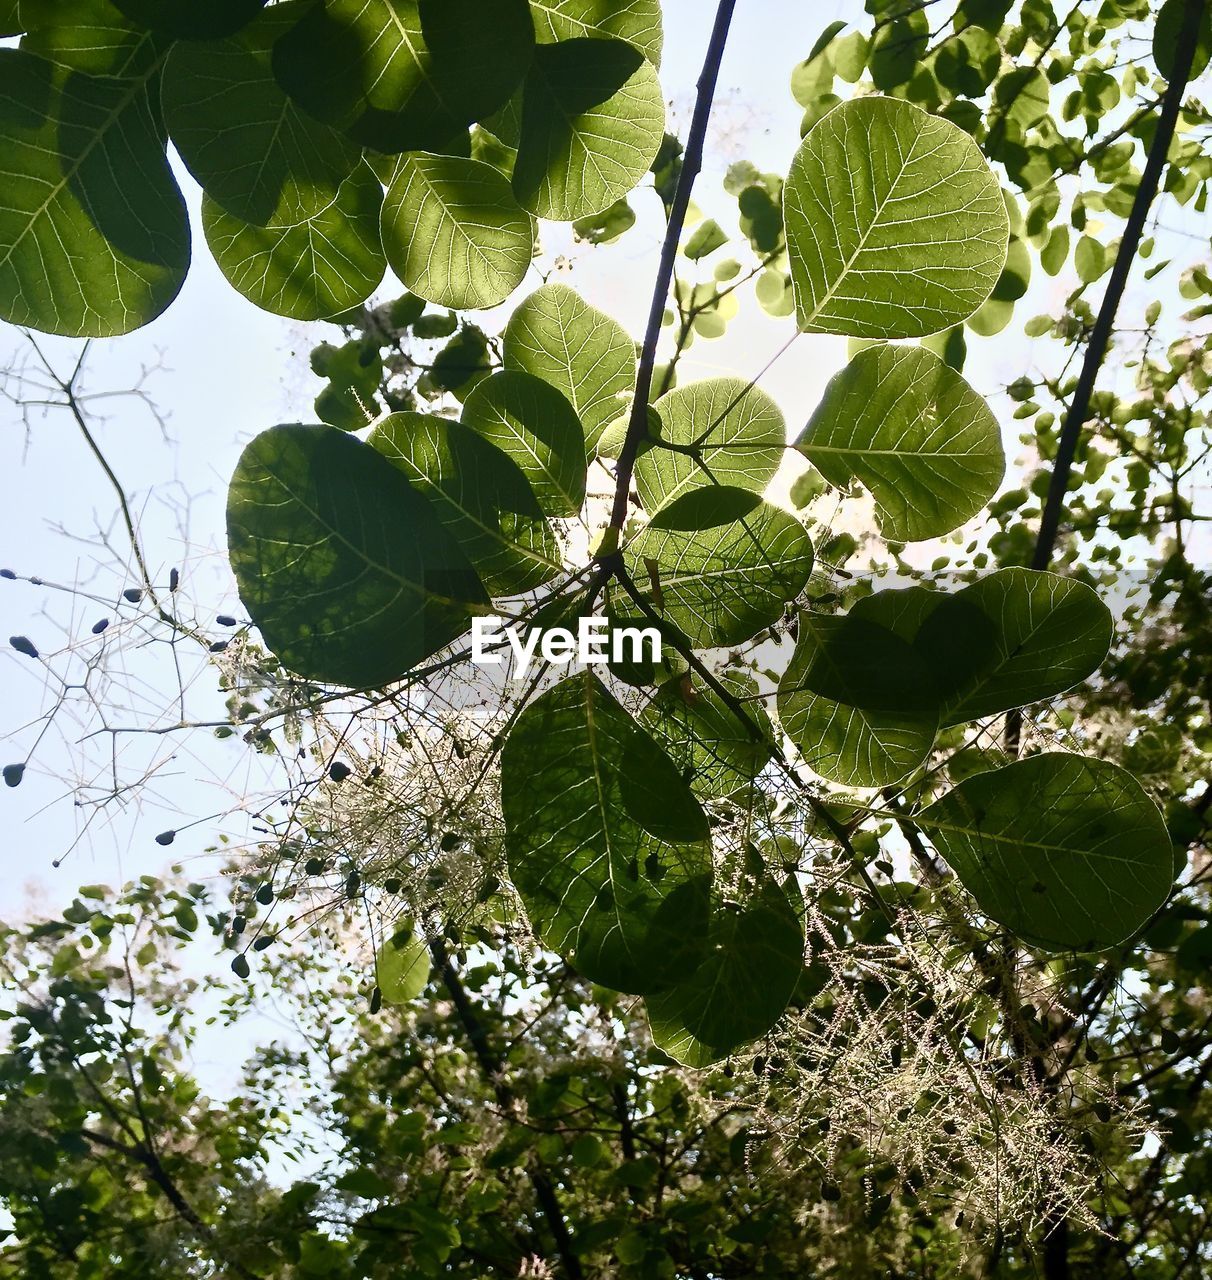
x=865 y=930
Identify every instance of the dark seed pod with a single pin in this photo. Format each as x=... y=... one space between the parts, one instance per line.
x=238 y=925
x=392 y=885
x=338 y=771
x=13 y=773
x=314 y=866
x=225 y=620
x=376 y=1001
x=98 y=627
x=133 y=594
x=174 y=579
x=239 y=966
x=219 y=646
x=24 y=645
x=1102 y=1111
x=449 y=841
x=265 y=894
x=353 y=882
x=166 y=837
x=9 y=574
x=831 y=1192
x=897 y=1054
x=265 y=940
x=1092 y=1054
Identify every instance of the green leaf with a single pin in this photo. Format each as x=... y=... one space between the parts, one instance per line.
x=1067 y=852
x=479 y=494
x=636 y=21
x=1022 y=97
x=89 y=35
x=896 y=226
x=402 y=966
x=251 y=149
x=191 y=19
x=838 y=699
x=1090 y=259
x=755 y=955
x=719 y=432
x=918 y=437
x=580 y=351
x=1055 y=253
x=722 y=584
x=454 y=233
x=533 y=424
x=311 y=270
x=606 y=845
x=1166 y=33
x=94 y=235
x=711 y=746
x=1015 y=637
x=406 y=75
x=343 y=566
x=706 y=238
x=593 y=119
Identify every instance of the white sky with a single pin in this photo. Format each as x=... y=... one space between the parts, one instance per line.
x=233 y=370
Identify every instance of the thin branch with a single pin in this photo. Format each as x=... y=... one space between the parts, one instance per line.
x=692 y=163
x=1100 y=338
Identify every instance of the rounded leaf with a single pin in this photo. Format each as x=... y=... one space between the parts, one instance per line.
x=918 y=437
x=585 y=355
x=343 y=566
x=1067 y=852
x=896 y=227
x=533 y=424
x=94 y=234
x=636 y=21
x=720 y=432
x=406 y=75
x=453 y=232
x=593 y=120
x=755 y=955
x=310 y=270
x=722 y=584
x=479 y=494
x=606 y=845
x=251 y=149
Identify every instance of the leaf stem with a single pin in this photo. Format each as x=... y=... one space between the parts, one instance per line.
x=692 y=163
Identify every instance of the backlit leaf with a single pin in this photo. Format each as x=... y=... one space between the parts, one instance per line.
x=895 y=223
x=721 y=585
x=606 y=845
x=479 y=494
x=918 y=437
x=453 y=232
x=252 y=150
x=839 y=698
x=755 y=955
x=711 y=746
x=1067 y=852
x=593 y=119
x=342 y=564
x=94 y=235
x=584 y=354
x=736 y=432
x=530 y=421
x=636 y=21
x=406 y=75
x=309 y=270
x=1015 y=637
x=402 y=966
